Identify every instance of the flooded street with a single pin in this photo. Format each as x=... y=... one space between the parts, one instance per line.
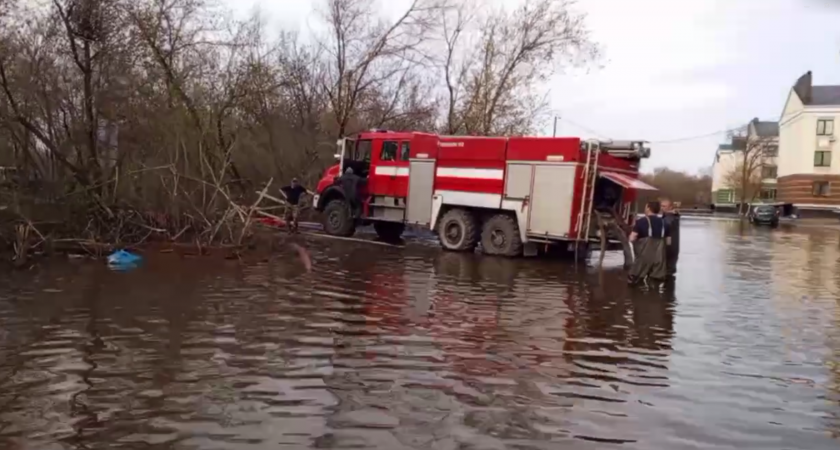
x=387 y=348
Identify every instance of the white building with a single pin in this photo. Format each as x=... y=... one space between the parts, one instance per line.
x=761 y=148
x=763 y=140
x=726 y=160
x=809 y=164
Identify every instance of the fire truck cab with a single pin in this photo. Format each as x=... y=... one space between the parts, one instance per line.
x=505 y=193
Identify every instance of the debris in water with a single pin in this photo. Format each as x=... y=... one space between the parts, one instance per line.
x=122 y=260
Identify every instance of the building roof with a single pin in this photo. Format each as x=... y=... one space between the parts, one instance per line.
x=825 y=95
x=766 y=129
x=828 y=95
x=739 y=142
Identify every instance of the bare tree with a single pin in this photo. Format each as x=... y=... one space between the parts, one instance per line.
x=746 y=177
x=494 y=63
x=57 y=72
x=184 y=44
x=285 y=120
x=455 y=21
x=745 y=180
x=368 y=59
x=130 y=117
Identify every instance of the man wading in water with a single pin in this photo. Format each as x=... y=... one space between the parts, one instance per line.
x=672 y=224
x=650 y=238
x=293 y=192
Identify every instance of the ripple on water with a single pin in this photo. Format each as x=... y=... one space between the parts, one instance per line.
x=413 y=348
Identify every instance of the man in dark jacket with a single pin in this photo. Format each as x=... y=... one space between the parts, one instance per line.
x=293 y=193
x=350 y=183
x=672 y=221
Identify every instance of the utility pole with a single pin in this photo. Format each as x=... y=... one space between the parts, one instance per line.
x=555 y=126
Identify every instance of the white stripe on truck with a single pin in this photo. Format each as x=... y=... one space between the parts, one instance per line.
x=391 y=171
x=477 y=199
x=481 y=174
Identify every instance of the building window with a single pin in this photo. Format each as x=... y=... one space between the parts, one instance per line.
x=822 y=159
x=769 y=172
x=771 y=151
x=404 y=151
x=724 y=196
x=389 y=151
x=825 y=127
x=821 y=188
x=768 y=194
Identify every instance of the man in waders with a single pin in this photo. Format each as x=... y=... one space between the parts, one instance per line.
x=650 y=237
x=672 y=223
x=350 y=184
x=293 y=193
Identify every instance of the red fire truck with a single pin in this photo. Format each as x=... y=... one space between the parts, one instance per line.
x=509 y=194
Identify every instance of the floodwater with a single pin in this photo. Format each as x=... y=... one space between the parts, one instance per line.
x=384 y=348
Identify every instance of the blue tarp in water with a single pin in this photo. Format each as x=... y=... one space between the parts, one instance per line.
x=123 y=260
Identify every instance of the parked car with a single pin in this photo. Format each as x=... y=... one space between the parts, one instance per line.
x=765 y=215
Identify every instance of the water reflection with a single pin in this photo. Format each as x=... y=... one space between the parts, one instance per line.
x=414 y=348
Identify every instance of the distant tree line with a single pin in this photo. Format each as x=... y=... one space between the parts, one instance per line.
x=690 y=190
x=111 y=109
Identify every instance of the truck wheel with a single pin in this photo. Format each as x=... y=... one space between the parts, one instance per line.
x=337 y=219
x=500 y=236
x=389 y=231
x=457 y=231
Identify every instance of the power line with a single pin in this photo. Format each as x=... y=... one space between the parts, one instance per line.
x=700 y=136
x=667 y=141
x=577 y=125
x=780 y=119
x=590 y=130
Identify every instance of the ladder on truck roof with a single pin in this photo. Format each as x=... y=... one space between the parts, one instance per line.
x=590 y=179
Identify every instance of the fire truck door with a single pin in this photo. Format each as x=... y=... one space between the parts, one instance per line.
x=399 y=184
x=420 y=186
x=383 y=177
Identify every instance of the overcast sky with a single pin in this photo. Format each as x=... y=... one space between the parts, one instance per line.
x=672 y=69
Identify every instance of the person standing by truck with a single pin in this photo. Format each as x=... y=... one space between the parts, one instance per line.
x=350 y=183
x=650 y=237
x=293 y=192
x=672 y=222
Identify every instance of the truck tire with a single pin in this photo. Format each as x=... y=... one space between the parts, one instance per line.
x=500 y=236
x=389 y=231
x=337 y=219
x=457 y=231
